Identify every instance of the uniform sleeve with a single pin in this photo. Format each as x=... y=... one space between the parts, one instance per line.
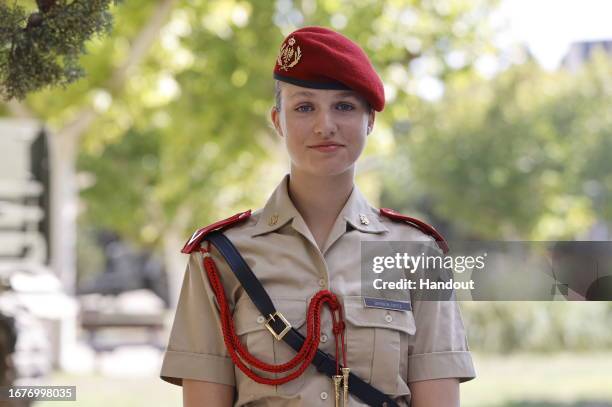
x=439 y=349
x=196 y=349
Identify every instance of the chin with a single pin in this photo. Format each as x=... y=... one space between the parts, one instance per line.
x=329 y=171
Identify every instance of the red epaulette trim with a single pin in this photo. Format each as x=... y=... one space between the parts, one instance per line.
x=422 y=226
x=194 y=242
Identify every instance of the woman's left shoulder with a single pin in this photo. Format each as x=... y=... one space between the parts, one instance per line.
x=408 y=228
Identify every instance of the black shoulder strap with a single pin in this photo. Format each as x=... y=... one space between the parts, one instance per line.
x=324 y=362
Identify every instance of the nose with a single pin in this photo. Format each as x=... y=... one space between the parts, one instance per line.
x=325 y=125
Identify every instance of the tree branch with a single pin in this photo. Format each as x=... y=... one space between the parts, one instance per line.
x=83 y=119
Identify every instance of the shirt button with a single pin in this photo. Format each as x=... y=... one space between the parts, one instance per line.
x=260 y=319
x=388 y=318
x=321 y=282
x=323 y=396
x=323 y=338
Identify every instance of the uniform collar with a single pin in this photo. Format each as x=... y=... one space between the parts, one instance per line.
x=279 y=210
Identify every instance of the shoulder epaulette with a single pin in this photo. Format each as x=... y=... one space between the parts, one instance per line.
x=194 y=242
x=422 y=226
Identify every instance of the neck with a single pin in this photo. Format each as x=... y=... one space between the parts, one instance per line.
x=320 y=199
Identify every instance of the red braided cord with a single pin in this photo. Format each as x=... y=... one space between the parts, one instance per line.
x=334 y=325
x=307 y=351
x=338 y=330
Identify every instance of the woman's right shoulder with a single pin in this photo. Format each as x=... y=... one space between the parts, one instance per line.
x=236 y=225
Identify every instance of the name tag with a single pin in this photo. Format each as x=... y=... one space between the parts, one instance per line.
x=395 y=305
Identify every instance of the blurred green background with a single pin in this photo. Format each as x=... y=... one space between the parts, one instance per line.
x=170 y=131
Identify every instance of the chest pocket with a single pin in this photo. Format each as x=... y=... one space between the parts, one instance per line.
x=251 y=329
x=377 y=344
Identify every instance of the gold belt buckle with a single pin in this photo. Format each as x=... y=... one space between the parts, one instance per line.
x=272 y=317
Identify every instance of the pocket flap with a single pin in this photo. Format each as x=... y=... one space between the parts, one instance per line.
x=360 y=315
x=248 y=319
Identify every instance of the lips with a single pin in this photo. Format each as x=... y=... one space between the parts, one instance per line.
x=326 y=144
x=326 y=147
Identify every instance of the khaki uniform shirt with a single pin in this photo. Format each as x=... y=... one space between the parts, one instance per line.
x=386 y=348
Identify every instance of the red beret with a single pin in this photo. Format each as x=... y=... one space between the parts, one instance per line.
x=319 y=58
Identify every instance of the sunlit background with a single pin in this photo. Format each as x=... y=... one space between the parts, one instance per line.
x=497 y=126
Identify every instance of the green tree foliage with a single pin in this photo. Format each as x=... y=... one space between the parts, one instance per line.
x=522 y=155
x=42 y=48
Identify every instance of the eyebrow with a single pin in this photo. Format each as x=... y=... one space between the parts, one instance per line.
x=346 y=93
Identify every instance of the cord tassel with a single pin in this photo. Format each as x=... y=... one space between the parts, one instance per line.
x=345 y=381
x=337 y=380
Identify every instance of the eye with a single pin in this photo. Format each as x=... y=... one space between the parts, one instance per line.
x=303 y=108
x=347 y=107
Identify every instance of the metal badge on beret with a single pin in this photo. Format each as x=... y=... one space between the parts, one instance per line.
x=288 y=57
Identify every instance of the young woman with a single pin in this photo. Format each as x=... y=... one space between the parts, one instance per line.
x=304 y=242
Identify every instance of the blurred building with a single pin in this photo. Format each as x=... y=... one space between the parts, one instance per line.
x=24 y=192
x=580 y=52
x=31 y=295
